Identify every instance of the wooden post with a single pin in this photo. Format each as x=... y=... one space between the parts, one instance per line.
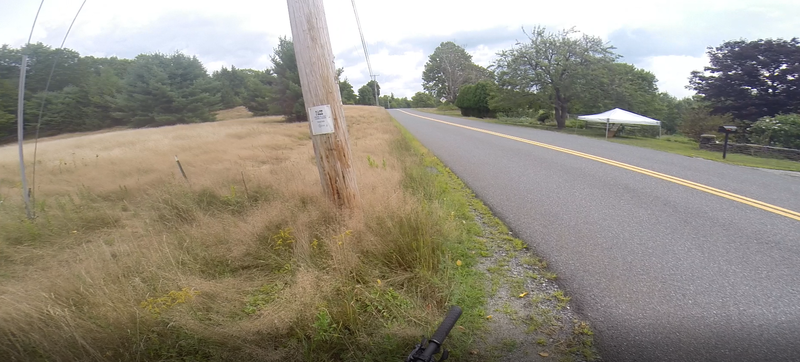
x=312 y=46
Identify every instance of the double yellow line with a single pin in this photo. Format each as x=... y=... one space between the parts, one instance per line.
x=714 y=191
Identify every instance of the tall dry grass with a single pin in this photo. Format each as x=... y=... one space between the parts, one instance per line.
x=127 y=261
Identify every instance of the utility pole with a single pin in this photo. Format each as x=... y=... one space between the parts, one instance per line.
x=20 y=134
x=375 y=88
x=312 y=45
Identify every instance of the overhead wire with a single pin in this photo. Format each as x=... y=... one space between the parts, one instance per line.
x=34 y=21
x=44 y=99
x=363 y=42
x=372 y=75
x=23 y=70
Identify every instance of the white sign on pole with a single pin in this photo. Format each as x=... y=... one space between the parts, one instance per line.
x=321 y=119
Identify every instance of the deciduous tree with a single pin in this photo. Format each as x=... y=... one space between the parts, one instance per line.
x=423 y=100
x=751 y=79
x=553 y=64
x=448 y=69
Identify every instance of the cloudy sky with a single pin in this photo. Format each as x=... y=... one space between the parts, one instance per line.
x=667 y=38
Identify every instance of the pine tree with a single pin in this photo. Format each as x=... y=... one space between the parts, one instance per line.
x=288 y=95
x=160 y=90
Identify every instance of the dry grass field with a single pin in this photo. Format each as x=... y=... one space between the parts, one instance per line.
x=245 y=261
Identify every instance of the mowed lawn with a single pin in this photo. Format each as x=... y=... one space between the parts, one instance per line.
x=673 y=144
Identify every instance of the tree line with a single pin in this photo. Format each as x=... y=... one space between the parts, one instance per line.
x=89 y=93
x=555 y=74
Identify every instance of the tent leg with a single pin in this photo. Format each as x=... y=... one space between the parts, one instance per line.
x=659 y=130
x=607 y=121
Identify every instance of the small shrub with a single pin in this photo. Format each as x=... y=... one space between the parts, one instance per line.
x=782 y=130
x=543 y=117
x=698 y=121
x=473 y=100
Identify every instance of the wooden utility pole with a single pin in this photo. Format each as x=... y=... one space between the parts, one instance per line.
x=312 y=47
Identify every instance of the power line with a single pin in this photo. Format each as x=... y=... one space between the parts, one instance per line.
x=366 y=54
x=34 y=21
x=44 y=99
x=23 y=70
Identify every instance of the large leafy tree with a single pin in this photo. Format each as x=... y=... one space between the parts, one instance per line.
x=555 y=64
x=287 y=95
x=607 y=85
x=751 y=79
x=448 y=69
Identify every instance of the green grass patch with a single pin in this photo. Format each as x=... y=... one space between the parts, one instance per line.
x=465 y=284
x=672 y=144
x=687 y=147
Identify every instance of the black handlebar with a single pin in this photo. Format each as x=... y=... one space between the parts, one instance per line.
x=435 y=343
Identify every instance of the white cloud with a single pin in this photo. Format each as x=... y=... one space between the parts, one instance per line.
x=673 y=72
x=244 y=32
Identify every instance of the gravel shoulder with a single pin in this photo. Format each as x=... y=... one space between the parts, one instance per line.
x=529 y=317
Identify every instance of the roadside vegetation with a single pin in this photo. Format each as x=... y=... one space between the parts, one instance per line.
x=247 y=260
x=551 y=76
x=676 y=143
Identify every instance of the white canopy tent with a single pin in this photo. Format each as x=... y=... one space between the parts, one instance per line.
x=621 y=116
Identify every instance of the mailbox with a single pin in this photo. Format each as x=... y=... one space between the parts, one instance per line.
x=726 y=130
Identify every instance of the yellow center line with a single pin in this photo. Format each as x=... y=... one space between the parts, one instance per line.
x=708 y=189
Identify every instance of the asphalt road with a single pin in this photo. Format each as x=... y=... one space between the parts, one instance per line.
x=664 y=272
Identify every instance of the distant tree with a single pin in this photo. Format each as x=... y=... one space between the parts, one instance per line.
x=391 y=101
x=515 y=103
x=366 y=96
x=672 y=111
x=607 y=85
x=699 y=120
x=258 y=88
x=753 y=79
x=8 y=96
x=553 y=64
x=231 y=84
x=400 y=102
x=287 y=95
x=373 y=85
x=7 y=124
x=10 y=59
x=40 y=61
x=449 y=68
x=164 y=90
x=423 y=100
x=101 y=87
x=348 y=95
x=65 y=111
